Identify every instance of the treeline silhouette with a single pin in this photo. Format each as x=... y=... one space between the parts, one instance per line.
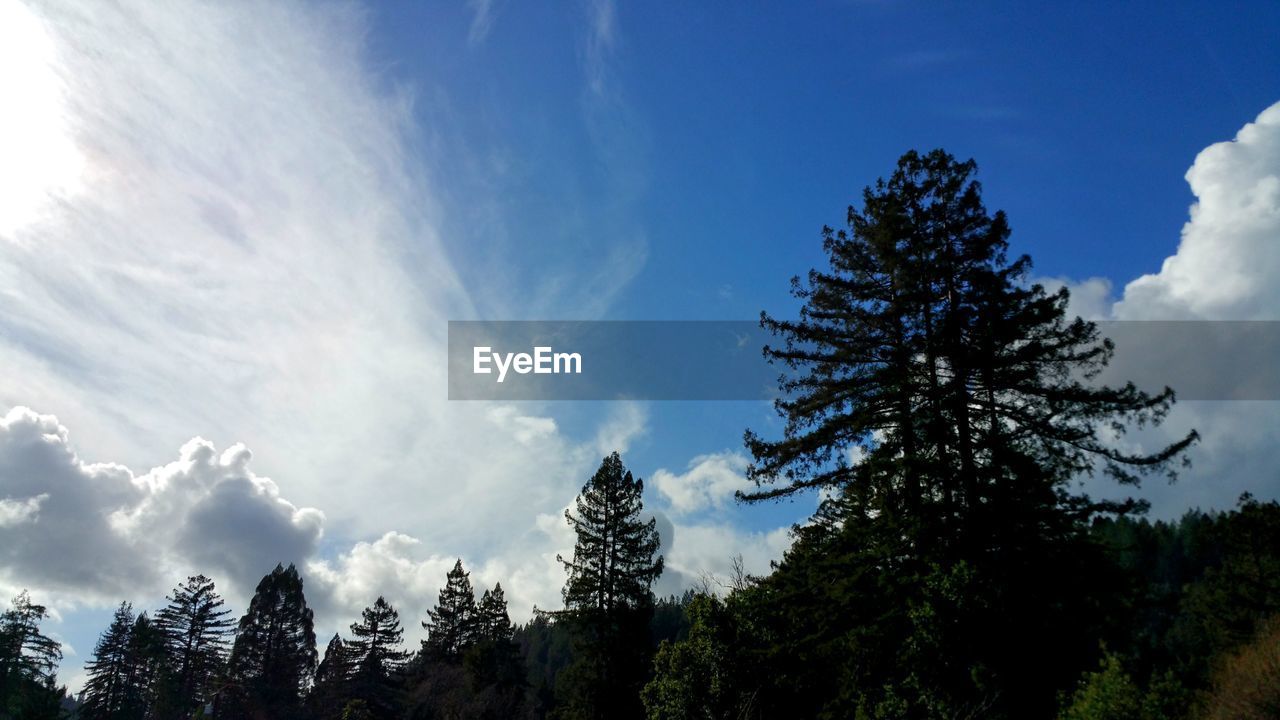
x=939 y=403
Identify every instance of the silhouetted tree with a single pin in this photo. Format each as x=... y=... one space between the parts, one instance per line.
x=107 y=685
x=377 y=657
x=28 y=663
x=330 y=691
x=607 y=597
x=452 y=626
x=273 y=659
x=197 y=632
x=944 y=405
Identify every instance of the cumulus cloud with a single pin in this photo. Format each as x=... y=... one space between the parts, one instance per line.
x=709 y=482
x=708 y=549
x=17 y=512
x=98 y=532
x=1229 y=257
x=1090 y=299
x=1224 y=268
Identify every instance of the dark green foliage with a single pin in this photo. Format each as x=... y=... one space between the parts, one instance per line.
x=492 y=621
x=453 y=620
x=376 y=656
x=469 y=666
x=28 y=663
x=331 y=688
x=1246 y=684
x=706 y=674
x=613 y=561
x=607 y=598
x=273 y=659
x=546 y=649
x=951 y=546
x=1197 y=589
x=196 y=630
x=1110 y=693
x=108 y=692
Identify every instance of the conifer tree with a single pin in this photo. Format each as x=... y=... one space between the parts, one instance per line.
x=453 y=620
x=106 y=687
x=330 y=692
x=146 y=666
x=494 y=660
x=376 y=654
x=28 y=662
x=336 y=664
x=197 y=632
x=943 y=403
x=607 y=597
x=273 y=659
x=492 y=621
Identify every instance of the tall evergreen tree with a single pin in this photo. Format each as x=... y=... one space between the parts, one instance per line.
x=330 y=692
x=28 y=662
x=469 y=666
x=607 y=597
x=273 y=659
x=197 y=632
x=944 y=404
x=494 y=660
x=106 y=688
x=146 y=667
x=492 y=621
x=453 y=620
x=377 y=657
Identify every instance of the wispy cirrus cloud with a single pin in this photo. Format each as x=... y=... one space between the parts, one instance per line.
x=482 y=17
x=248 y=249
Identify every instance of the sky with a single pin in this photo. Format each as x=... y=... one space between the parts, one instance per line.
x=232 y=234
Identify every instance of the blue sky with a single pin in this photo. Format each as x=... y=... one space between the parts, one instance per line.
x=726 y=136
x=231 y=236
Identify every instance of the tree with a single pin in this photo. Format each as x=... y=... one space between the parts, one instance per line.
x=196 y=631
x=944 y=404
x=28 y=662
x=607 y=597
x=332 y=678
x=1246 y=685
x=273 y=659
x=146 y=664
x=106 y=689
x=492 y=663
x=701 y=676
x=377 y=657
x=492 y=621
x=453 y=619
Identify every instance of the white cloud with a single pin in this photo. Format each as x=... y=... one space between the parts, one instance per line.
x=709 y=482
x=18 y=512
x=1224 y=268
x=254 y=257
x=238 y=238
x=1090 y=298
x=481 y=20
x=702 y=549
x=100 y=533
x=1229 y=258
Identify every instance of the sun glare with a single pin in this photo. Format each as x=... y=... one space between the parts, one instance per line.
x=38 y=158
